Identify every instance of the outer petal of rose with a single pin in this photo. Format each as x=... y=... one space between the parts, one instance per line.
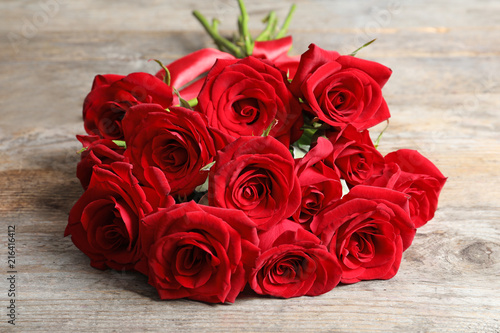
x=414 y=162
x=309 y=62
x=320 y=151
x=105 y=80
x=378 y=72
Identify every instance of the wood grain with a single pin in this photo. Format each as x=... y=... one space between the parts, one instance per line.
x=444 y=97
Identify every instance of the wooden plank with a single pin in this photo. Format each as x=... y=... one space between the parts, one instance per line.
x=444 y=98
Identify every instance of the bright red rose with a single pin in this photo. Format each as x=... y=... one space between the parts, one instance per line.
x=409 y=172
x=199 y=252
x=176 y=141
x=293 y=263
x=320 y=184
x=244 y=97
x=354 y=156
x=255 y=175
x=104 y=222
x=367 y=230
x=341 y=90
x=98 y=152
x=112 y=96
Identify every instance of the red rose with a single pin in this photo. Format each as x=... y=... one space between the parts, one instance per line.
x=409 y=172
x=341 y=90
x=244 y=97
x=98 y=152
x=199 y=252
x=354 y=156
x=293 y=263
x=177 y=141
x=104 y=222
x=368 y=230
x=320 y=184
x=255 y=175
x=113 y=95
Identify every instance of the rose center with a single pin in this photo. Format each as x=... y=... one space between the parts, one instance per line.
x=247 y=108
x=171 y=157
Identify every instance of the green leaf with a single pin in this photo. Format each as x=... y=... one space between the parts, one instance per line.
x=82 y=150
x=298 y=152
x=359 y=48
x=182 y=101
x=193 y=102
x=120 y=143
x=306 y=138
x=203 y=187
x=208 y=166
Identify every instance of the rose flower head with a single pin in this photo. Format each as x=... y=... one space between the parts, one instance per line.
x=104 y=222
x=409 y=172
x=367 y=230
x=319 y=183
x=341 y=90
x=293 y=263
x=244 y=97
x=199 y=252
x=176 y=140
x=112 y=96
x=255 y=175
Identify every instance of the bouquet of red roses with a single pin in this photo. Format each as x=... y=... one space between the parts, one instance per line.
x=246 y=166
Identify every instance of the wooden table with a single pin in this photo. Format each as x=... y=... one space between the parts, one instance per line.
x=444 y=97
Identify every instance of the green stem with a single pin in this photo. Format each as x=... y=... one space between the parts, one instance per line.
x=218 y=39
x=286 y=24
x=380 y=135
x=267 y=32
x=245 y=33
x=359 y=48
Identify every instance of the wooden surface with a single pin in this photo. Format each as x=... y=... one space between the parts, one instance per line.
x=444 y=97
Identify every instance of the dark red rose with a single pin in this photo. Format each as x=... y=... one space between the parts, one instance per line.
x=177 y=141
x=409 y=172
x=199 y=252
x=293 y=263
x=112 y=96
x=98 y=152
x=320 y=184
x=354 y=156
x=104 y=222
x=367 y=230
x=244 y=97
x=341 y=90
x=255 y=175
